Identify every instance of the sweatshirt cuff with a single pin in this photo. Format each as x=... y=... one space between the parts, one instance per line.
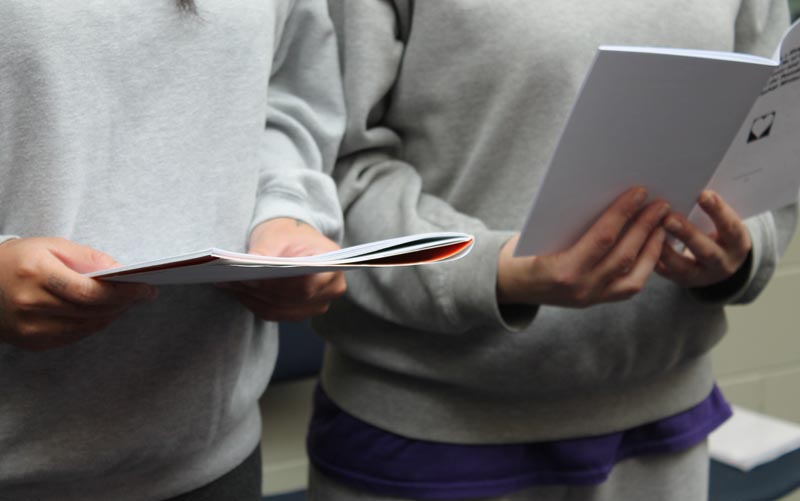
x=728 y=290
x=278 y=204
x=752 y=277
x=475 y=279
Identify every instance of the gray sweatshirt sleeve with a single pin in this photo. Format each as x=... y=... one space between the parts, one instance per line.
x=759 y=27
x=382 y=195
x=304 y=125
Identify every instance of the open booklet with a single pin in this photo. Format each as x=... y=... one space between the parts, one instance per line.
x=217 y=265
x=674 y=121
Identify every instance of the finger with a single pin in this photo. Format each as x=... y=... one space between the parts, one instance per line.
x=702 y=246
x=633 y=282
x=276 y=313
x=80 y=258
x=45 y=303
x=598 y=241
x=677 y=267
x=65 y=279
x=84 y=291
x=334 y=288
x=628 y=251
x=731 y=231
x=42 y=333
x=295 y=290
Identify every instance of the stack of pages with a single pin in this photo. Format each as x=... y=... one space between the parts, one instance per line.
x=217 y=265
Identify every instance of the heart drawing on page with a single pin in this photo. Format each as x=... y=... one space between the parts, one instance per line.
x=761 y=127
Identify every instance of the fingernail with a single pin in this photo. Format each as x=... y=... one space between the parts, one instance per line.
x=663 y=210
x=640 y=196
x=707 y=198
x=673 y=224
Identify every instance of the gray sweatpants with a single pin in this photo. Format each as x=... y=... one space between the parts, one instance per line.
x=681 y=476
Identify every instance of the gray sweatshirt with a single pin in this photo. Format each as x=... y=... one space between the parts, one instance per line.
x=454 y=108
x=143 y=131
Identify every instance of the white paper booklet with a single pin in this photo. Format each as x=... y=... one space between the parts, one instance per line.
x=749 y=439
x=217 y=265
x=674 y=121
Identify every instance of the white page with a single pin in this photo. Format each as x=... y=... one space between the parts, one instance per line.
x=659 y=120
x=761 y=170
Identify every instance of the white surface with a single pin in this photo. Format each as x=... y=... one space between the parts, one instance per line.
x=749 y=439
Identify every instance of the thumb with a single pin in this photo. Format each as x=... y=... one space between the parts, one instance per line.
x=80 y=258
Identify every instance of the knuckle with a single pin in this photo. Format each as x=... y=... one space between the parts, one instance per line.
x=83 y=293
x=28 y=269
x=630 y=211
x=605 y=241
x=565 y=280
x=625 y=264
x=714 y=260
x=706 y=255
x=583 y=297
x=732 y=229
x=29 y=329
x=99 y=258
x=654 y=223
x=23 y=301
x=80 y=293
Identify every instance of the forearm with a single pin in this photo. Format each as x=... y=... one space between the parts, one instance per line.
x=305 y=124
x=383 y=199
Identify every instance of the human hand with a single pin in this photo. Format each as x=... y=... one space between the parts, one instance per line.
x=293 y=298
x=610 y=262
x=45 y=301
x=708 y=259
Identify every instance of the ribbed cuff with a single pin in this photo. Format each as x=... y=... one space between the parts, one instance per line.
x=279 y=204
x=474 y=282
x=752 y=277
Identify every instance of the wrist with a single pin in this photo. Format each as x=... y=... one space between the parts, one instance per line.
x=277 y=225
x=516 y=283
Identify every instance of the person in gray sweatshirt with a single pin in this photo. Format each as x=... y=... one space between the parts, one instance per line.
x=133 y=130
x=583 y=374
